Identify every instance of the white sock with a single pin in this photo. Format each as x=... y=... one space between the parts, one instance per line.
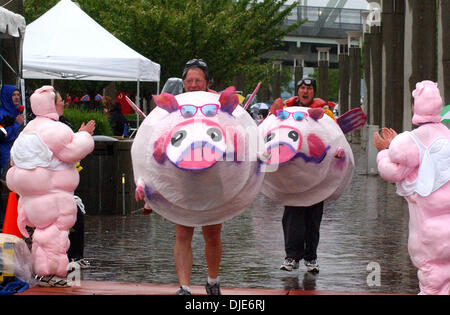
x=213 y=281
x=187 y=288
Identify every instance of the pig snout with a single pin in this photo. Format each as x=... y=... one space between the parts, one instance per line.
x=282 y=144
x=196 y=146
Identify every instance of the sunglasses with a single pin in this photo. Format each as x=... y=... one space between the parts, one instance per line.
x=284 y=114
x=209 y=110
x=199 y=63
x=307 y=82
x=196 y=62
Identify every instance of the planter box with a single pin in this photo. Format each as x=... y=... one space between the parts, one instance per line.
x=101 y=187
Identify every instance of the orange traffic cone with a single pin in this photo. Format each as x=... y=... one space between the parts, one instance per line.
x=10 y=224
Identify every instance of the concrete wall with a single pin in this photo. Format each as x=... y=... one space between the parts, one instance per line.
x=376 y=102
x=393 y=17
x=323 y=80
x=420 y=50
x=344 y=82
x=412 y=45
x=443 y=27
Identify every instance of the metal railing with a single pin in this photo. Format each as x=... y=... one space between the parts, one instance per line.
x=325 y=18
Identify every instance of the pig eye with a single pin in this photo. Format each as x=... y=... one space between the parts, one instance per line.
x=293 y=135
x=269 y=137
x=178 y=137
x=215 y=134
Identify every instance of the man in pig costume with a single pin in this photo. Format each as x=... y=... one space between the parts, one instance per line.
x=419 y=163
x=45 y=177
x=195 y=165
x=307 y=161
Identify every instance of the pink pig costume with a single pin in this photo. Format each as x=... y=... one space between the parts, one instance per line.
x=45 y=177
x=419 y=163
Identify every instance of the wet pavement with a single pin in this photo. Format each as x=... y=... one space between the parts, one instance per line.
x=363 y=245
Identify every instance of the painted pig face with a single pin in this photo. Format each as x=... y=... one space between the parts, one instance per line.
x=189 y=158
x=199 y=139
x=305 y=154
x=196 y=144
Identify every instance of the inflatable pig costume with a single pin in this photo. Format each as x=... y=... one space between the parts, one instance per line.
x=193 y=158
x=307 y=158
x=419 y=163
x=45 y=177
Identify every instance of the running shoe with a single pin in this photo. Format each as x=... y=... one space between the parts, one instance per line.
x=312 y=266
x=183 y=291
x=213 y=289
x=289 y=264
x=83 y=263
x=52 y=281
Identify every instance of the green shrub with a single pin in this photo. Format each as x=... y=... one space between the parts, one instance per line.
x=77 y=116
x=132 y=117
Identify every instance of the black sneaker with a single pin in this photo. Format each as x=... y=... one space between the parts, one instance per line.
x=213 y=289
x=182 y=291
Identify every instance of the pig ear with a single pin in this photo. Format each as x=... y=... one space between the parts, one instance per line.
x=158 y=149
x=166 y=101
x=278 y=104
x=228 y=100
x=316 y=113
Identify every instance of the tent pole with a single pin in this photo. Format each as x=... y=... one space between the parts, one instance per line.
x=138 y=103
x=157 y=87
x=24 y=102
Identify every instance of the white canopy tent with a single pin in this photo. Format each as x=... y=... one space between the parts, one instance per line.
x=65 y=43
x=12 y=25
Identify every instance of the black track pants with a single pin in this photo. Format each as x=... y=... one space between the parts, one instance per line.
x=301 y=226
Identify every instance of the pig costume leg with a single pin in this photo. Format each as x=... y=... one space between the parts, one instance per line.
x=50 y=243
x=428 y=245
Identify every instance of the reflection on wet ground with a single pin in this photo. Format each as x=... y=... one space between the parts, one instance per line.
x=364 y=232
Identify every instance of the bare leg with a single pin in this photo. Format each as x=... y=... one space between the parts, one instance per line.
x=182 y=253
x=213 y=248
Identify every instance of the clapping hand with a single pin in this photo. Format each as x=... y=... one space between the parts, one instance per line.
x=383 y=141
x=89 y=127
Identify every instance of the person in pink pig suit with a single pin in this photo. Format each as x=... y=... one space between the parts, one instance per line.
x=43 y=173
x=419 y=163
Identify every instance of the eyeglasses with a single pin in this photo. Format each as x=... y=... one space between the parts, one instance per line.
x=284 y=114
x=209 y=110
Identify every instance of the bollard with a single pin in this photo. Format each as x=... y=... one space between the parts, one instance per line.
x=123 y=194
x=372 y=167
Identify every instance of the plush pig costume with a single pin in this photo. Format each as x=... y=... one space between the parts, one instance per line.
x=419 y=163
x=198 y=170
x=306 y=160
x=45 y=177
